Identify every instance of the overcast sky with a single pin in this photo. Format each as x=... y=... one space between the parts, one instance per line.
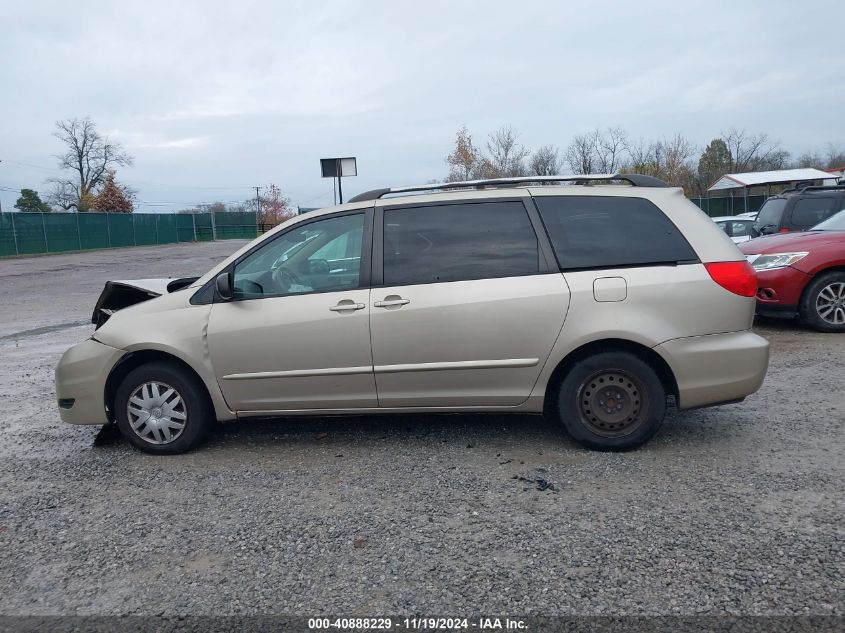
x=213 y=98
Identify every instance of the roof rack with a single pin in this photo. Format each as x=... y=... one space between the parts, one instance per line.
x=804 y=188
x=636 y=180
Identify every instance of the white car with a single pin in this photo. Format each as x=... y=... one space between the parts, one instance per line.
x=737 y=227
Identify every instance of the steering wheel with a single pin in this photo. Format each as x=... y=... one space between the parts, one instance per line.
x=284 y=278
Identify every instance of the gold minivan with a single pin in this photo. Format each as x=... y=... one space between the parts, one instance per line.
x=594 y=299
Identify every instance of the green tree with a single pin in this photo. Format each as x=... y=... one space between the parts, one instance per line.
x=714 y=163
x=30 y=202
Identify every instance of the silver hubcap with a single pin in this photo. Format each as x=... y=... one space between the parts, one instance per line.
x=156 y=413
x=830 y=303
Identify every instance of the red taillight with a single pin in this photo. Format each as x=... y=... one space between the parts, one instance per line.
x=738 y=277
x=783 y=231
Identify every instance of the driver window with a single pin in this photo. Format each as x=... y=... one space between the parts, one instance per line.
x=320 y=256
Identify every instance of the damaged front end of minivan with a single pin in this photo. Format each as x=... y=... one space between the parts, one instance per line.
x=120 y=294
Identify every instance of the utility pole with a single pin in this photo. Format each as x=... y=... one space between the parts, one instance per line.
x=257 y=200
x=257 y=206
x=1 y=202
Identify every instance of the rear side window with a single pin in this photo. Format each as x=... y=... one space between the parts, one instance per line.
x=811 y=210
x=458 y=241
x=740 y=229
x=605 y=232
x=770 y=213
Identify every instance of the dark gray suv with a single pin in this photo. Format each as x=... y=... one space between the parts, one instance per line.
x=798 y=209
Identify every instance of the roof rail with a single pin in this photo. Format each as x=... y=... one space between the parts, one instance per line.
x=801 y=189
x=636 y=180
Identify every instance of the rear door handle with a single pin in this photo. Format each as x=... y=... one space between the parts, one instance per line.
x=347 y=305
x=391 y=301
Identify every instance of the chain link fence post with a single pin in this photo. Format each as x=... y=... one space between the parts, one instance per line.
x=15 y=234
x=44 y=230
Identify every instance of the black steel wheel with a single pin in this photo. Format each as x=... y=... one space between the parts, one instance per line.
x=612 y=401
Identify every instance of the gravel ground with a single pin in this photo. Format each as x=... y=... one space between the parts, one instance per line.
x=732 y=510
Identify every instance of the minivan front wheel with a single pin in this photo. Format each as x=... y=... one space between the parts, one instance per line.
x=162 y=409
x=612 y=401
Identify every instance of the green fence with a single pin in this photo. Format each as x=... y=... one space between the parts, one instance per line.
x=729 y=205
x=36 y=233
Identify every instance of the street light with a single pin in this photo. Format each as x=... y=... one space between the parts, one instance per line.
x=339 y=168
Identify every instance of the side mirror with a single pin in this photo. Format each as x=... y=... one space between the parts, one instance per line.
x=224 y=286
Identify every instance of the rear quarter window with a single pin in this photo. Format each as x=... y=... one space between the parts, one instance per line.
x=811 y=210
x=607 y=232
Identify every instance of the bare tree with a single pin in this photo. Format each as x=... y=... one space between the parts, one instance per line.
x=581 y=153
x=753 y=152
x=835 y=157
x=810 y=159
x=609 y=148
x=678 y=167
x=89 y=156
x=670 y=159
x=463 y=160
x=545 y=161
x=63 y=196
x=506 y=156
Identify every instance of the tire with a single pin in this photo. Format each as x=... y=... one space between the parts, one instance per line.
x=823 y=303
x=612 y=401
x=181 y=418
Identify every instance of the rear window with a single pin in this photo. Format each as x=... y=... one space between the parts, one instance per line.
x=810 y=211
x=606 y=232
x=453 y=242
x=770 y=213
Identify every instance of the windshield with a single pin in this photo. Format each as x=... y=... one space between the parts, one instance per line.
x=833 y=223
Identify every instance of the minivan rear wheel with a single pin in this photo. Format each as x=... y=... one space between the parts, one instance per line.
x=612 y=401
x=162 y=409
x=823 y=304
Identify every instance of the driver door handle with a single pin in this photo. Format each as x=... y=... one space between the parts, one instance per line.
x=347 y=304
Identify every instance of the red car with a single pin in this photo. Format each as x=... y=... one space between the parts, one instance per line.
x=802 y=274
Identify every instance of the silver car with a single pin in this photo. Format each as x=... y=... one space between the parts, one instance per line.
x=736 y=227
x=594 y=299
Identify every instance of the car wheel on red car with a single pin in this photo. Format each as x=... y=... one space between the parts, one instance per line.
x=823 y=303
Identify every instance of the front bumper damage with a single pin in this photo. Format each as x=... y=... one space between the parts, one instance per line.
x=80 y=378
